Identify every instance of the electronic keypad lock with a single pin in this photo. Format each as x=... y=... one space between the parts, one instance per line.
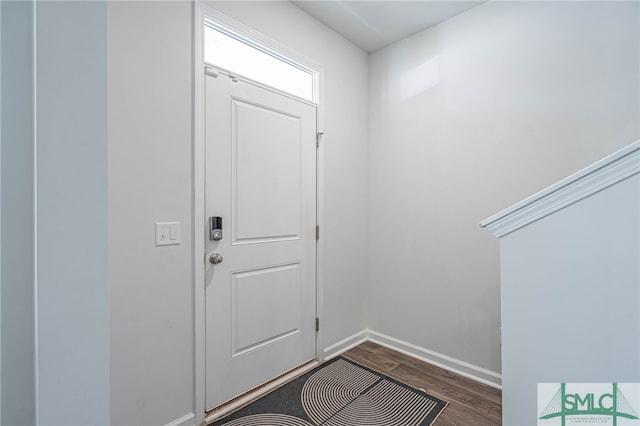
x=215 y=228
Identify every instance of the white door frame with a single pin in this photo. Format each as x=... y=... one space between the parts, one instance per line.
x=201 y=12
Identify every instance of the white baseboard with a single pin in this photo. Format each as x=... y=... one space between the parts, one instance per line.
x=186 y=420
x=345 y=344
x=462 y=368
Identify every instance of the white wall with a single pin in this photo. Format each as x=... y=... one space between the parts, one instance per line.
x=151 y=294
x=149 y=98
x=71 y=213
x=1 y=212
x=17 y=145
x=124 y=352
x=571 y=294
x=345 y=163
x=467 y=118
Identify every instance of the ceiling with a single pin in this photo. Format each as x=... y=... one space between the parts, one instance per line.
x=372 y=25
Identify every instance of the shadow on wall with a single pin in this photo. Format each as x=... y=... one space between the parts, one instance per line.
x=419 y=79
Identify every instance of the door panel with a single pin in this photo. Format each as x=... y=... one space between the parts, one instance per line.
x=257 y=323
x=260 y=178
x=262 y=138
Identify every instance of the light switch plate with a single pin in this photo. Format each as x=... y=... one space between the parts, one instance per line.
x=167 y=233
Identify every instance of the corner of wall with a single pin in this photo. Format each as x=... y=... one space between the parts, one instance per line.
x=17 y=366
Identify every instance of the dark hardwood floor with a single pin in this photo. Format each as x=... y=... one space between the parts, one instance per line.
x=470 y=403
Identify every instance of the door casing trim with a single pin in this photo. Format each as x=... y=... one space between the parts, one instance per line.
x=200 y=13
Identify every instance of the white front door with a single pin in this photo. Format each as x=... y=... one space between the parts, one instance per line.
x=261 y=182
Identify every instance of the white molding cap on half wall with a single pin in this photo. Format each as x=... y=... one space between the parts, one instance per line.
x=610 y=170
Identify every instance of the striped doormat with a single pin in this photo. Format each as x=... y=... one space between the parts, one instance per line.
x=340 y=393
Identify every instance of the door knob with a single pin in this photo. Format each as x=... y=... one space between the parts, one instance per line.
x=215 y=258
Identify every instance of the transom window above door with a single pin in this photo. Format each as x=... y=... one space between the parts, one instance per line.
x=239 y=55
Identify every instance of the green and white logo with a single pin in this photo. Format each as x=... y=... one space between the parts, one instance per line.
x=561 y=404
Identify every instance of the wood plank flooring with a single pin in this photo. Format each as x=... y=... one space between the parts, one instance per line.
x=470 y=403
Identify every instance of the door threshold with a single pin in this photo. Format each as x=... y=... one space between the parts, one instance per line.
x=252 y=395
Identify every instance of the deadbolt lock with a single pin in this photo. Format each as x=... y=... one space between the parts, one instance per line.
x=215 y=228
